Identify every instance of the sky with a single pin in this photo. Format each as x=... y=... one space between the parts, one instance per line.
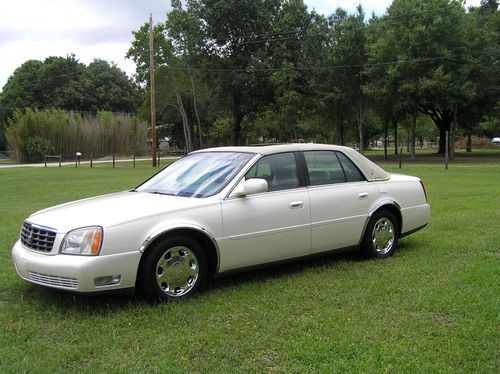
x=36 y=29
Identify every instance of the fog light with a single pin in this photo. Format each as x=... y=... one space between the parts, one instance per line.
x=109 y=280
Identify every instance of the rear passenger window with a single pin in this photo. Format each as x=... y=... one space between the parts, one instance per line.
x=324 y=168
x=351 y=171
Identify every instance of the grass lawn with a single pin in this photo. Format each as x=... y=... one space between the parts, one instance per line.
x=432 y=307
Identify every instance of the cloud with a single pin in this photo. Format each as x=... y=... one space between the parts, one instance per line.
x=34 y=29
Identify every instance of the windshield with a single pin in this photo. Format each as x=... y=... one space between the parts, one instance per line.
x=197 y=175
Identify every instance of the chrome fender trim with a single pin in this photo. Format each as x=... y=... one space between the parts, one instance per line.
x=165 y=230
x=379 y=205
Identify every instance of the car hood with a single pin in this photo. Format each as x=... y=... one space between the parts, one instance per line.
x=110 y=210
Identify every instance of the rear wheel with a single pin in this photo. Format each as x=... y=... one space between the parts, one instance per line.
x=381 y=235
x=175 y=268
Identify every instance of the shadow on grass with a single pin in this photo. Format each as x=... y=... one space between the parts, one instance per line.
x=65 y=302
x=281 y=270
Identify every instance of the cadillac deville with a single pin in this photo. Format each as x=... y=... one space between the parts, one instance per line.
x=217 y=210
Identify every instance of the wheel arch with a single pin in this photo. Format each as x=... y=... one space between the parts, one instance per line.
x=202 y=236
x=390 y=205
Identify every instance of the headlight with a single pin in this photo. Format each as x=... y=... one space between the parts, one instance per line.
x=85 y=241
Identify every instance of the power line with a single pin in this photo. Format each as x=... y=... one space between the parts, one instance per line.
x=312 y=68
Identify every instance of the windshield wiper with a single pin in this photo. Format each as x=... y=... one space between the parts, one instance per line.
x=162 y=193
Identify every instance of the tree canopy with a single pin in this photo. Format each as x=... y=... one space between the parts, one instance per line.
x=282 y=72
x=65 y=83
x=249 y=71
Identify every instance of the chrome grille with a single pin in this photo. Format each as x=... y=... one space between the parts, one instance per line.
x=37 y=238
x=53 y=280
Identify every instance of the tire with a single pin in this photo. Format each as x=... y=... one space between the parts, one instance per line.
x=381 y=235
x=175 y=268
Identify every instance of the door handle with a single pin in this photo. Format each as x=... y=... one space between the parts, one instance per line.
x=296 y=204
x=363 y=195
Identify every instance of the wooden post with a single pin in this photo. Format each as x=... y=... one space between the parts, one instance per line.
x=400 y=156
x=152 y=91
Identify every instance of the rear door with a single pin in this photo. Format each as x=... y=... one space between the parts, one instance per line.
x=340 y=200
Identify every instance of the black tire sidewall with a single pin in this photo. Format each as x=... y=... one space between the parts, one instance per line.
x=149 y=285
x=367 y=244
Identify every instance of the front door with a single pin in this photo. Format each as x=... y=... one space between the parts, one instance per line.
x=269 y=226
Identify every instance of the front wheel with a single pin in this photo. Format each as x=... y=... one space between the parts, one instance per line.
x=381 y=235
x=174 y=268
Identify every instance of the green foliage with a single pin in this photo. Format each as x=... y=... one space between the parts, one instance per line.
x=36 y=148
x=65 y=83
x=34 y=133
x=283 y=72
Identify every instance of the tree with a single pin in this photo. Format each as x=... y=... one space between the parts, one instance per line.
x=65 y=83
x=424 y=42
x=23 y=88
x=380 y=87
x=231 y=42
x=174 y=85
x=105 y=87
x=342 y=79
x=350 y=52
x=293 y=54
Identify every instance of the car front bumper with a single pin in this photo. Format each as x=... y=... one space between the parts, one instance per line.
x=77 y=273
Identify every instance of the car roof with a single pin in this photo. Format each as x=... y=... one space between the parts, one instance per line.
x=371 y=171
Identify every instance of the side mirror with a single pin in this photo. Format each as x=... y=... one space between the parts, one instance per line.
x=251 y=187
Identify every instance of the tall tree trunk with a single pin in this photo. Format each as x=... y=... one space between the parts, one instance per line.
x=386 y=136
x=395 y=125
x=468 y=147
x=443 y=128
x=196 y=107
x=360 y=117
x=185 y=123
x=237 y=118
x=443 y=122
x=452 y=136
x=340 y=125
x=412 y=134
x=340 y=133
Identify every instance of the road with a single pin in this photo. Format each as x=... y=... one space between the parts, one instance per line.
x=72 y=163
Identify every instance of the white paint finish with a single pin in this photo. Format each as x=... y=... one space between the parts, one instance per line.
x=83 y=268
x=262 y=228
x=338 y=214
x=248 y=230
x=414 y=217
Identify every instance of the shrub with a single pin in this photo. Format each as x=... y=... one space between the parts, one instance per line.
x=33 y=134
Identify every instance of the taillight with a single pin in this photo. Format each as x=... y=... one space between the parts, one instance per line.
x=423 y=188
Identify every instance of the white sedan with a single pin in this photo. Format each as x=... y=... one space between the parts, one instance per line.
x=217 y=210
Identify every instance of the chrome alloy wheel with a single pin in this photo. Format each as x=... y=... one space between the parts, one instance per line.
x=383 y=236
x=177 y=271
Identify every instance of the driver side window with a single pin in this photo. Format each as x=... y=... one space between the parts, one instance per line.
x=280 y=171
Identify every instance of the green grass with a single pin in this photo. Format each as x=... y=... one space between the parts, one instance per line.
x=432 y=307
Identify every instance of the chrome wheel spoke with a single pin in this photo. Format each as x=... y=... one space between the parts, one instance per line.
x=383 y=236
x=177 y=271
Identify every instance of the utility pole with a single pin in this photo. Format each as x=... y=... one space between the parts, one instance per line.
x=152 y=91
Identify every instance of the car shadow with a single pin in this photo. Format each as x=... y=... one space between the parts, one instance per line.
x=64 y=302
x=277 y=271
